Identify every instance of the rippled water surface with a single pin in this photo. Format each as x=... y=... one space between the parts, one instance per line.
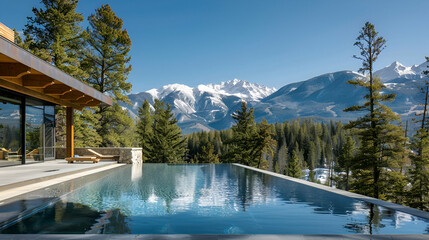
x=210 y=199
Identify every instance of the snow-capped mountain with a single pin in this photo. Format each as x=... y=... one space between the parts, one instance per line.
x=397 y=70
x=323 y=97
x=202 y=107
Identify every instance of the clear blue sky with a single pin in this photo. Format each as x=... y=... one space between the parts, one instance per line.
x=270 y=42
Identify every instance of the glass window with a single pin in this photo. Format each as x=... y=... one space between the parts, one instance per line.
x=10 y=129
x=34 y=133
x=49 y=132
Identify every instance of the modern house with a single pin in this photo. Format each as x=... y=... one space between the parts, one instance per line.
x=30 y=88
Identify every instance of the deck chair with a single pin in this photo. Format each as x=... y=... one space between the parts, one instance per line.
x=82 y=159
x=104 y=157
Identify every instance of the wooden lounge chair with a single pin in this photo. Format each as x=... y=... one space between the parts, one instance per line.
x=82 y=159
x=104 y=157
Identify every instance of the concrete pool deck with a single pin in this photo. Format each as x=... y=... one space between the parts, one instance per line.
x=397 y=207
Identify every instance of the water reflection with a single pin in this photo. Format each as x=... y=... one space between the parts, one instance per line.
x=221 y=199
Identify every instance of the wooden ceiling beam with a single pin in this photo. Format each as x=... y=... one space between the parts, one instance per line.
x=84 y=100
x=73 y=95
x=93 y=103
x=37 y=81
x=57 y=89
x=36 y=94
x=13 y=70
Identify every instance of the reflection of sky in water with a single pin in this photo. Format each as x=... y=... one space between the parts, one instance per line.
x=228 y=199
x=211 y=199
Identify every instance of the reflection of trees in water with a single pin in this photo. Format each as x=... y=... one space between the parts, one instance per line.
x=373 y=224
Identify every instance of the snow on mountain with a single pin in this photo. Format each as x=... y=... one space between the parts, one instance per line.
x=197 y=108
x=398 y=70
x=324 y=97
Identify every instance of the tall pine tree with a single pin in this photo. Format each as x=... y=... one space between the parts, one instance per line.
x=381 y=144
x=418 y=195
x=106 y=61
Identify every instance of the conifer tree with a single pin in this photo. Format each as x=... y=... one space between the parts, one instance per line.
x=166 y=143
x=381 y=141
x=418 y=195
x=207 y=154
x=107 y=63
x=144 y=128
x=107 y=59
x=55 y=34
x=244 y=137
x=85 y=133
x=346 y=157
x=294 y=166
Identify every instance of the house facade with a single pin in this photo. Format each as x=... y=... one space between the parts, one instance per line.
x=30 y=90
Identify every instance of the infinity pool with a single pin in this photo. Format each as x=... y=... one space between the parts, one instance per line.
x=210 y=199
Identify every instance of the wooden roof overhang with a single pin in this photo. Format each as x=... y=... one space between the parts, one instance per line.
x=25 y=73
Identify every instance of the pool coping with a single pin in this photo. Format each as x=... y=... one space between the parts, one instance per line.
x=213 y=237
x=394 y=206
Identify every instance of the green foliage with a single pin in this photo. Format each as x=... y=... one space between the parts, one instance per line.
x=346 y=158
x=53 y=34
x=106 y=58
x=86 y=134
x=418 y=196
x=249 y=142
x=381 y=145
x=294 y=166
x=165 y=144
x=117 y=128
x=144 y=128
x=207 y=154
x=244 y=137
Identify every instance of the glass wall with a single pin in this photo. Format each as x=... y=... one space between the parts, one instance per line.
x=34 y=131
x=10 y=129
x=38 y=124
x=49 y=132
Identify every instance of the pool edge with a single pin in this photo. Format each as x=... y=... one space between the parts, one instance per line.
x=394 y=206
x=212 y=236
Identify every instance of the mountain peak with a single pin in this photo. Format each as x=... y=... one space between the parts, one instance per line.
x=395 y=70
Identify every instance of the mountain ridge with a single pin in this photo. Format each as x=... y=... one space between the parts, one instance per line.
x=208 y=107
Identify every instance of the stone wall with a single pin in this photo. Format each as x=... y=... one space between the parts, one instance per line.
x=126 y=155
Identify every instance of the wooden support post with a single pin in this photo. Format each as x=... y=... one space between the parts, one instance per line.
x=69 y=132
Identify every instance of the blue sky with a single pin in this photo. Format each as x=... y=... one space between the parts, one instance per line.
x=270 y=42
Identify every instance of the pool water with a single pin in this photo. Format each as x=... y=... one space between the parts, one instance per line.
x=210 y=199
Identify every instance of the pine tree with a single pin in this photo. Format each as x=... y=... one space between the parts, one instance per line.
x=346 y=157
x=294 y=166
x=244 y=137
x=418 y=195
x=166 y=143
x=264 y=143
x=207 y=154
x=381 y=141
x=85 y=133
x=144 y=128
x=55 y=34
x=106 y=61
